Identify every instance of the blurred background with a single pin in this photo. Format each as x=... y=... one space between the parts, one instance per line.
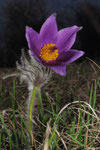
x=16 y=14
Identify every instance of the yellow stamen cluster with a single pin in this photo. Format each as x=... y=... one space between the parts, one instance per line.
x=49 y=52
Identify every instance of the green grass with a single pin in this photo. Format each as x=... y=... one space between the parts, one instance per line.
x=66 y=117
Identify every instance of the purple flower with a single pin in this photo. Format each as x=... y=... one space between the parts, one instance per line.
x=51 y=47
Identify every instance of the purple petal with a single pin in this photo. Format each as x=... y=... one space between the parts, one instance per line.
x=69 y=56
x=66 y=37
x=59 y=69
x=33 y=41
x=48 y=32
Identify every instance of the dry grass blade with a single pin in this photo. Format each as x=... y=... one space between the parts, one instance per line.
x=61 y=139
x=78 y=102
x=46 y=137
x=93 y=62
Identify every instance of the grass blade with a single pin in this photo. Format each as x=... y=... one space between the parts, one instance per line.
x=5 y=127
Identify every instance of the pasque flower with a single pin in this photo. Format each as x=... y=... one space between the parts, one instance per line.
x=51 y=47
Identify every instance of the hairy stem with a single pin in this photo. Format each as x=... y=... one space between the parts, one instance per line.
x=30 y=113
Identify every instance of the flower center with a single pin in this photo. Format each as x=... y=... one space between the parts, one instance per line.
x=49 y=52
